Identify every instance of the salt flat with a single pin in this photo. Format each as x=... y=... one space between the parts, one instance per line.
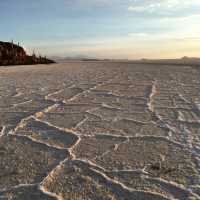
x=99 y=130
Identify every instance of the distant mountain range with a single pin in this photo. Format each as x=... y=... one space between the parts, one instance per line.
x=13 y=54
x=74 y=58
x=178 y=61
x=181 y=61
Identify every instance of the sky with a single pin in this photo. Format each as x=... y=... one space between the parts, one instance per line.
x=103 y=28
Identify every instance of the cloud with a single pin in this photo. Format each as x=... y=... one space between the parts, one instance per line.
x=95 y=3
x=165 y=7
x=182 y=35
x=139 y=35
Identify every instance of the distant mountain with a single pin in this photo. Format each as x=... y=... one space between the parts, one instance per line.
x=13 y=54
x=74 y=58
x=181 y=61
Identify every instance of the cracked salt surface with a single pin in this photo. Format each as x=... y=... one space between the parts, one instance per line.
x=105 y=130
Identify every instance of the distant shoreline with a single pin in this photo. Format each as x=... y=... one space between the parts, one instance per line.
x=177 y=62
